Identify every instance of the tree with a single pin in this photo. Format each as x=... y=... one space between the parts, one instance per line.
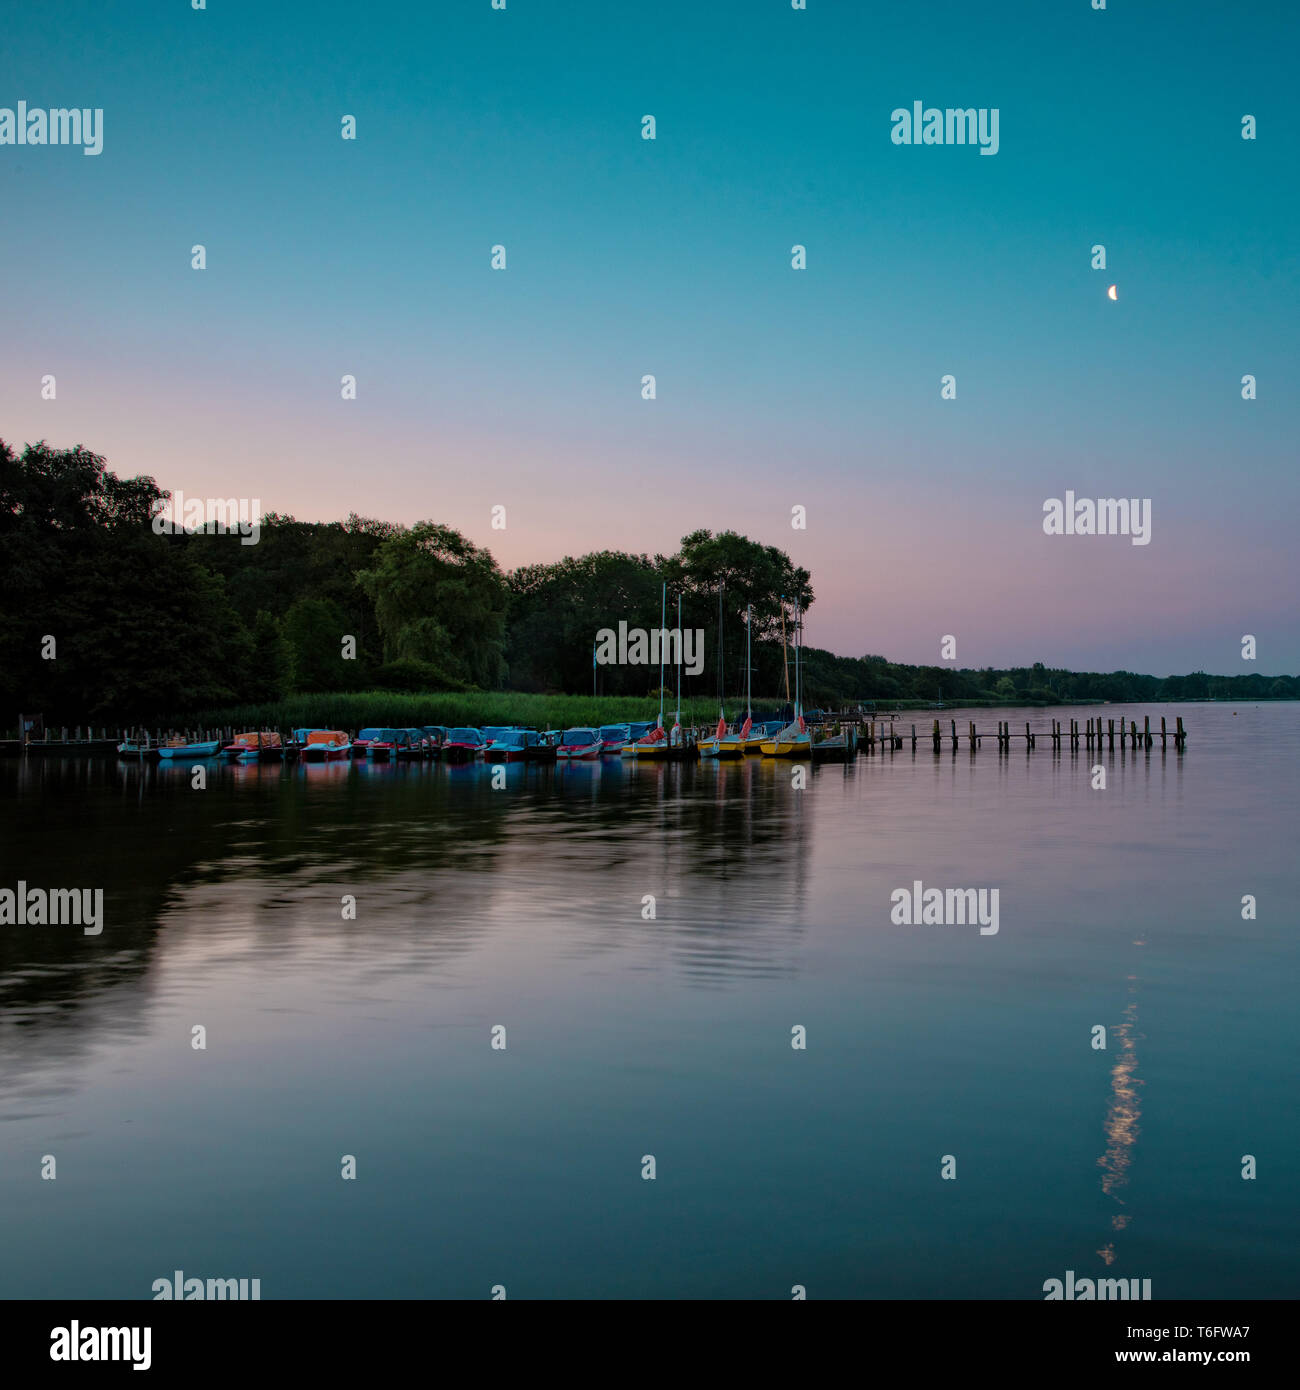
x=314 y=629
x=441 y=599
x=139 y=628
x=749 y=575
x=557 y=610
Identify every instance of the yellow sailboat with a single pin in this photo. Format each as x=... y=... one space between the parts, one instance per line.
x=736 y=745
x=794 y=741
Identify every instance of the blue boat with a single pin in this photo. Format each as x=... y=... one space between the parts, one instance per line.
x=190 y=750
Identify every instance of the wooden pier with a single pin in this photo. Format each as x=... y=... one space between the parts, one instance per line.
x=883 y=735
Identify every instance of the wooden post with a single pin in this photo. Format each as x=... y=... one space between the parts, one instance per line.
x=1179 y=736
x=936 y=736
x=913 y=738
x=1146 y=730
x=953 y=722
x=1162 y=731
x=1133 y=729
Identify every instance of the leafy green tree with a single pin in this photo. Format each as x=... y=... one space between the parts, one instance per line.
x=441 y=599
x=557 y=610
x=139 y=628
x=314 y=629
x=271 y=660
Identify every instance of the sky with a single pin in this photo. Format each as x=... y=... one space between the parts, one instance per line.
x=776 y=388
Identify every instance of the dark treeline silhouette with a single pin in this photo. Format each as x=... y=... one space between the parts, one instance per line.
x=104 y=620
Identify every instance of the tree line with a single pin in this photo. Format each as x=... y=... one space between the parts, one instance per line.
x=106 y=621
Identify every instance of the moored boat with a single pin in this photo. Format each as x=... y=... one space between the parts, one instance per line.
x=635 y=732
x=255 y=746
x=752 y=741
x=839 y=745
x=579 y=745
x=325 y=745
x=463 y=745
x=410 y=744
x=546 y=747
x=793 y=741
x=614 y=738
x=138 y=749
x=736 y=744
x=511 y=746
x=178 y=748
x=653 y=744
x=380 y=748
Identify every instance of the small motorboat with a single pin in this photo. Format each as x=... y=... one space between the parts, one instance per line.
x=410 y=744
x=325 y=745
x=839 y=745
x=463 y=745
x=381 y=747
x=546 y=747
x=178 y=748
x=511 y=746
x=614 y=739
x=255 y=746
x=579 y=745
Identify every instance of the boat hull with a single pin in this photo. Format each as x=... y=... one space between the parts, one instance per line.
x=777 y=748
x=325 y=753
x=192 y=750
x=460 y=753
x=135 y=753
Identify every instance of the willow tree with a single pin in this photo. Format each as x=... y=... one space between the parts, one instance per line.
x=440 y=599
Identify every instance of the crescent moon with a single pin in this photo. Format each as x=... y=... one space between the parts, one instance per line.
x=1113 y=292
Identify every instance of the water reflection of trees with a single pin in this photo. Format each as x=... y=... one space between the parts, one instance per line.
x=253 y=868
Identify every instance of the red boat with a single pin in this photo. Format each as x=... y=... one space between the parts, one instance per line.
x=576 y=745
x=463 y=746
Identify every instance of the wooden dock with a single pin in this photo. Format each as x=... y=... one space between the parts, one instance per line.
x=883 y=736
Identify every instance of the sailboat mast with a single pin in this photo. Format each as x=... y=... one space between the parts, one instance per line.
x=679 y=659
x=798 y=626
x=721 y=653
x=749 y=669
x=663 y=635
x=785 y=660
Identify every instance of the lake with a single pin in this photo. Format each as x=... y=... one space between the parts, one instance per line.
x=524 y=907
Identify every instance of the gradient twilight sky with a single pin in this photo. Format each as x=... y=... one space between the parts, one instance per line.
x=672 y=257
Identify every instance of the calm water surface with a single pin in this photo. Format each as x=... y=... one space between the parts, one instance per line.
x=523 y=907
